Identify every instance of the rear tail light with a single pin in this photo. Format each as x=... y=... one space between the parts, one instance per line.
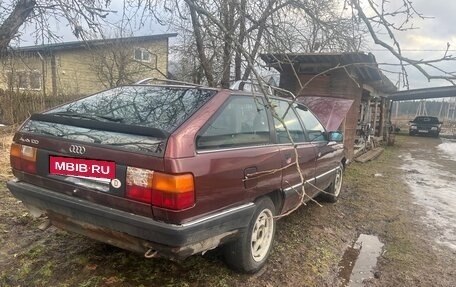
x=160 y=189
x=23 y=157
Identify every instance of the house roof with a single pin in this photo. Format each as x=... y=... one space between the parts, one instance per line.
x=362 y=65
x=90 y=43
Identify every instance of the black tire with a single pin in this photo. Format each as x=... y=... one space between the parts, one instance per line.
x=332 y=193
x=242 y=255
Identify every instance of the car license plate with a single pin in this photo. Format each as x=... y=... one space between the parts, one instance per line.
x=80 y=167
x=423 y=131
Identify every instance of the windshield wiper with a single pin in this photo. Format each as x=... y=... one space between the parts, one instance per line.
x=87 y=116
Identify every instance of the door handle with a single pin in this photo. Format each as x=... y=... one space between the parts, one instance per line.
x=288 y=158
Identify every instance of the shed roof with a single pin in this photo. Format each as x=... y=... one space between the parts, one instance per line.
x=426 y=93
x=90 y=43
x=362 y=65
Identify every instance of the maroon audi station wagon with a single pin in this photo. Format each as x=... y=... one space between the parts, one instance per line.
x=175 y=170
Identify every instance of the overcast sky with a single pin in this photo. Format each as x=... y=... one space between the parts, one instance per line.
x=427 y=42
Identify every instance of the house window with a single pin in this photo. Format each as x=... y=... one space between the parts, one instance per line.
x=35 y=80
x=24 y=80
x=141 y=54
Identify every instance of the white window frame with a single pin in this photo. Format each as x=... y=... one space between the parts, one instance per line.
x=143 y=51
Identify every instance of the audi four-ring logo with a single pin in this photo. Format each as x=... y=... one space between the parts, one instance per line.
x=77 y=149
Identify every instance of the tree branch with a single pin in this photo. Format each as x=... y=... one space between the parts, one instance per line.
x=10 y=27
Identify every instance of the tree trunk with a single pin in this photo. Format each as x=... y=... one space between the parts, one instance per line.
x=254 y=51
x=238 y=56
x=228 y=21
x=11 y=25
x=205 y=63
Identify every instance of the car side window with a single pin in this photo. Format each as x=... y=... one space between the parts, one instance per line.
x=314 y=128
x=241 y=122
x=288 y=115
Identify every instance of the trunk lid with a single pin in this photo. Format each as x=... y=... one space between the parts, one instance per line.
x=106 y=186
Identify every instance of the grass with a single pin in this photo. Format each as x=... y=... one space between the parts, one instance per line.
x=6 y=136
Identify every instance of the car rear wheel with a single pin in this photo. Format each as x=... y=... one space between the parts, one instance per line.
x=250 y=252
x=332 y=193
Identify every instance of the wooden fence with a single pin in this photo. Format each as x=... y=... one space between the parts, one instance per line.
x=16 y=107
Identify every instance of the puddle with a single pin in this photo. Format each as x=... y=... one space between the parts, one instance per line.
x=430 y=174
x=447 y=147
x=359 y=261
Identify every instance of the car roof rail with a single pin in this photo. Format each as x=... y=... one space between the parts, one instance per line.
x=149 y=80
x=284 y=91
x=241 y=85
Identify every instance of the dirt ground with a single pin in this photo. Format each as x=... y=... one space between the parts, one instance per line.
x=310 y=243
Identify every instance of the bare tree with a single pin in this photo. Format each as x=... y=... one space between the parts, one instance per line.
x=384 y=20
x=83 y=16
x=258 y=26
x=291 y=26
x=117 y=63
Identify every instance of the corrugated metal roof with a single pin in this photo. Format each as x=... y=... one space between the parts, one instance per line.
x=363 y=65
x=89 y=43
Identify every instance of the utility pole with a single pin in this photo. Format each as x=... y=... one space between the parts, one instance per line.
x=421 y=111
x=454 y=109
x=451 y=110
x=397 y=109
x=441 y=108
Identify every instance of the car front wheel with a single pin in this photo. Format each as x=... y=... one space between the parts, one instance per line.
x=250 y=252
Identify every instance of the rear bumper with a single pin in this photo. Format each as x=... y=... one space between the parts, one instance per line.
x=130 y=231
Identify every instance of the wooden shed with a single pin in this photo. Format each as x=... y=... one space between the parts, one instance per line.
x=335 y=77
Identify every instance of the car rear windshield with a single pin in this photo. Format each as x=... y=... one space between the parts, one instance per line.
x=134 y=118
x=163 y=108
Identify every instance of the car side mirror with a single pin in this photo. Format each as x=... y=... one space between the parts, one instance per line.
x=336 y=136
